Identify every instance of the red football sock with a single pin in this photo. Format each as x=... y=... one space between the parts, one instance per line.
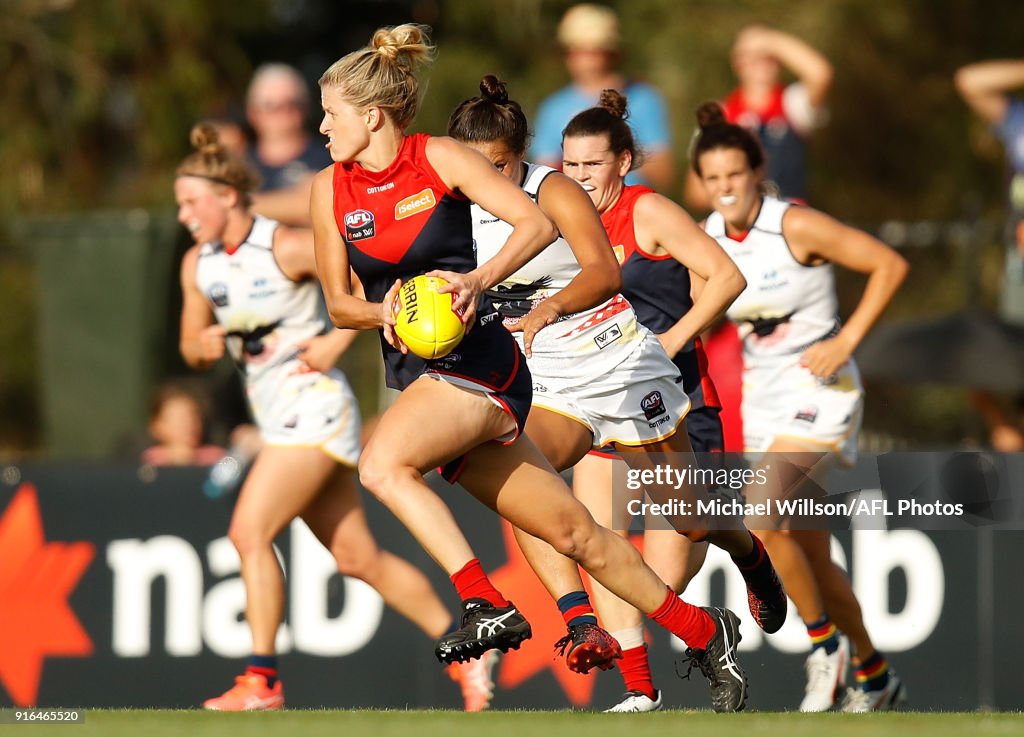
x=636 y=671
x=472 y=583
x=689 y=623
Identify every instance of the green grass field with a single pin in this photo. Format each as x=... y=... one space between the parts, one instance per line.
x=141 y=723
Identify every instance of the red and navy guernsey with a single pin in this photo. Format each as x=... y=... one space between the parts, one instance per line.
x=404 y=221
x=658 y=287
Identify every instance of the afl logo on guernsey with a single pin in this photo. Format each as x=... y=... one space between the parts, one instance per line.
x=419 y=202
x=359 y=225
x=652 y=405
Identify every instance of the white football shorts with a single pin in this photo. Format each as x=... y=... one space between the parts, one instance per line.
x=785 y=401
x=641 y=400
x=308 y=408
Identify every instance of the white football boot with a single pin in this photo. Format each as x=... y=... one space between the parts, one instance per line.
x=826 y=677
x=636 y=701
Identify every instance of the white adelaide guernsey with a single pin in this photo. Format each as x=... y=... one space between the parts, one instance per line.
x=600 y=366
x=786 y=306
x=607 y=333
x=267 y=315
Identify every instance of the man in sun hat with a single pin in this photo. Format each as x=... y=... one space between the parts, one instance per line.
x=589 y=36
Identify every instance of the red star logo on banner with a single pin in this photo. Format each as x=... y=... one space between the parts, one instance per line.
x=36 y=579
x=517 y=581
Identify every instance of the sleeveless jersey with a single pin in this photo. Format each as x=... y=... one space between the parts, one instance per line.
x=401 y=222
x=658 y=287
x=265 y=313
x=786 y=306
x=608 y=331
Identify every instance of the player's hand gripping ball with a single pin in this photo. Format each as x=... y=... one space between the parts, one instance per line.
x=425 y=320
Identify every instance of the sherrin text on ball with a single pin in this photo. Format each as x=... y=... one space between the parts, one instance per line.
x=425 y=319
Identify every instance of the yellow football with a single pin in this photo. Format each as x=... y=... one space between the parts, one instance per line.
x=425 y=319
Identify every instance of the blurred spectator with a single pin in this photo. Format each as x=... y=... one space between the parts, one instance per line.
x=986 y=86
x=285 y=154
x=589 y=35
x=176 y=425
x=781 y=115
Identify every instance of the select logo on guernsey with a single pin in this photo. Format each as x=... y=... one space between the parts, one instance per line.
x=359 y=224
x=418 y=203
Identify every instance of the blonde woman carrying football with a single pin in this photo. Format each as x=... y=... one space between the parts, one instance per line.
x=307 y=416
x=465 y=412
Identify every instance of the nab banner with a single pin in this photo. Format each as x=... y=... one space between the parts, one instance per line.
x=119 y=587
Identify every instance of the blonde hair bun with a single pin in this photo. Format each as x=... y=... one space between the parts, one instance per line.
x=408 y=44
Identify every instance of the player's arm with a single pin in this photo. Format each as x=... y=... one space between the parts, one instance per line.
x=321 y=353
x=468 y=171
x=295 y=256
x=201 y=339
x=814 y=236
x=661 y=226
x=294 y=252
x=332 y=267
x=984 y=86
x=574 y=215
x=599 y=278
x=289 y=205
x=697 y=282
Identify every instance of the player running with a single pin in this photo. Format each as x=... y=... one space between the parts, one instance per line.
x=660 y=250
x=249 y=289
x=802 y=394
x=595 y=369
x=463 y=413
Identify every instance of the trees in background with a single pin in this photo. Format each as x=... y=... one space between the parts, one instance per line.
x=98 y=97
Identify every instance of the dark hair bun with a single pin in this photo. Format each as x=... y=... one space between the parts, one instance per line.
x=614 y=102
x=710 y=114
x=493 y=90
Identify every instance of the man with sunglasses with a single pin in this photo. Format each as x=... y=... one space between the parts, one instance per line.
x=284 y=153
